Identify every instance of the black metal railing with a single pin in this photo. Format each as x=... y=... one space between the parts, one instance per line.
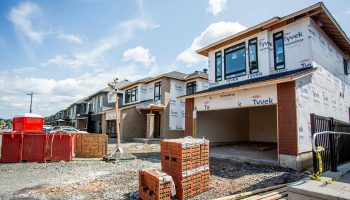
x=336 y=146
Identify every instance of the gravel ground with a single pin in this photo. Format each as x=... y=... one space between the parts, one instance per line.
x=95 y=179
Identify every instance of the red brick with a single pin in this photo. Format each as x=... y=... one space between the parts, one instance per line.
x=189 y=107
x=150 y=186
x=287 y=119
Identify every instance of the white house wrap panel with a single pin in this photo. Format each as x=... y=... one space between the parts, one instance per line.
x=324 y=93
x=242 y=98
x=297 y=53
x=177 y=106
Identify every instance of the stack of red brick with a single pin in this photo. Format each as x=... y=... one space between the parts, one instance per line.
x=154 y=185
x=187 y=162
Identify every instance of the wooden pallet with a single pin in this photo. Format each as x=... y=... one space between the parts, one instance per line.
x=91 y=145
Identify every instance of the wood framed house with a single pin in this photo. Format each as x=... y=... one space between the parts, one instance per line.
x=265 y=81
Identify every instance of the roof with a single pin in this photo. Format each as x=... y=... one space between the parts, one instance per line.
x=135 y=82
x=197 y=74
x=256 y=82
x=134 y=104
x=317 y=11
x=174 y=75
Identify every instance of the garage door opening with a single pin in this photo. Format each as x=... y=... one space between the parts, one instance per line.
x=242 y=133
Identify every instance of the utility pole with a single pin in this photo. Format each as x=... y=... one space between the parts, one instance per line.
x=31 y=101
x=113 y=86
x=117 y=153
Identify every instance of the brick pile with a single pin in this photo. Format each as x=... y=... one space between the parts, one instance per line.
x=187 y=162
x=154 y=185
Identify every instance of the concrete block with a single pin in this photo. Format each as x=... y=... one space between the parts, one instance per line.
x=345 y=196
x=296 y=196
x=288 y=161
x=300 y=163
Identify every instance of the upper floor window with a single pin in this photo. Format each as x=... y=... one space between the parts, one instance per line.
x=191 y=87
x=278 y=50
x=235 y=61
x=88 y=107
x=253 y=55
x=157 y=90
x=100 y=101
x=346 y=67
x=131 y=95
x=93 y=103
x=218 y=66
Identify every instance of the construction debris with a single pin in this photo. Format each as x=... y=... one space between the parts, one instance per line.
x=80 y=178
x=117 y=155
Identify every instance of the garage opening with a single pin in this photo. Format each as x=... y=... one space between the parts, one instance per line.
x=243 y=133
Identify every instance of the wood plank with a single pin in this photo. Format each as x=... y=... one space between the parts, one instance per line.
x=247 y=194
x=277 y=196
x=269 y=194
x=266 y=148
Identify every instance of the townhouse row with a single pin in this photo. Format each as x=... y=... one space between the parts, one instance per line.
x=94 y=113
x=148 y=108
x=261 y=87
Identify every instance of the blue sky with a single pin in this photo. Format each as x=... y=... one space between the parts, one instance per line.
x=65 y=50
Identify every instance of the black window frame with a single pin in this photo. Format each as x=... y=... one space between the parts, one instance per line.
x=253 y=69
x=234 y=48
x=191 y=85
x=132 y=92
x=346 y=67
x=276 y=65
x=127 y=96
x=218 y=77
x=158 y=86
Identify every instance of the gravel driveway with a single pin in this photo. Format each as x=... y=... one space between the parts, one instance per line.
x=95 y=179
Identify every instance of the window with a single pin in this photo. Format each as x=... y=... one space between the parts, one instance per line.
x=89 y=107
x=157 y=91
x=131 y=95
x=253 y=55
x=100 y=101
x=235 y=61
x=278 y=50
x=191 y=87
x=134 y=94
x=127 y=96
x=346 y=67
x=218 y=66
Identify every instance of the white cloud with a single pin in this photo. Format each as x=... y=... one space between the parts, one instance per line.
x=95 y=56
x=70 y=37
x=139 y=54
x=212 y=33
x=52 y=95
x=216 y=6
x=131 y=25
x=20 y=17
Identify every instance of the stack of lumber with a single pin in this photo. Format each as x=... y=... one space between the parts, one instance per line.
x=277 y=192
x=154 y=185
x=187 y=161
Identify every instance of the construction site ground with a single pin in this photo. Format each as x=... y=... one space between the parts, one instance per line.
x=96 y=179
